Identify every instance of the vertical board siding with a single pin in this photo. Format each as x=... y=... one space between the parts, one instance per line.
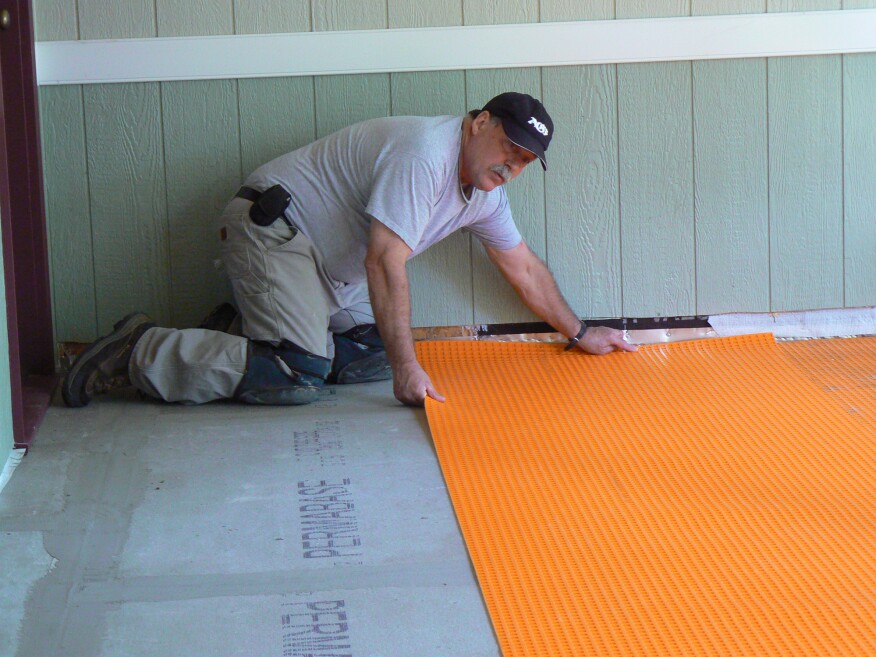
x=494 y=298
x=575 y=10
x=68 y=212
x=55 y=20
x=342 y=100
x=276 y=117
x=673 y=188
x=128 y=209
x=202 y=151
x=656 y=189
x=806 y=208
x=731 y=195
x=581 y=188
x=65 y=183
x=128 y=19
x=656 y=177
x=194 y=17
x=440 y=278
x=726 y=7
x=348 y=15
x=651 y=8
x=499 y=12
x=803 y=5
x=860 y=173
x=271 y=16
x=581 y=185
x=415 y=13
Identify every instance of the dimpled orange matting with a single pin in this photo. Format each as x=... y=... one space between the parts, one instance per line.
x=704 y=498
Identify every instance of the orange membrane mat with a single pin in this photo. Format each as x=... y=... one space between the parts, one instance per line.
x=715 y=497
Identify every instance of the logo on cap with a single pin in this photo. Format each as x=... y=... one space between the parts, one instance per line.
x=541 y=127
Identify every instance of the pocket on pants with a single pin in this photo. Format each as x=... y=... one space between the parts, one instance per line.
x=235 y=251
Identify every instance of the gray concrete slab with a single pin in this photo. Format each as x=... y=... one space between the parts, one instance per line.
x=24 y=563
x=395 y=622
x=215 y=530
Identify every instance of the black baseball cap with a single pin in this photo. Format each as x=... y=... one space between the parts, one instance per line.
x=525 y=120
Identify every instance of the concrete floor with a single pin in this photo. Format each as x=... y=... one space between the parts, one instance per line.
x=146 y=529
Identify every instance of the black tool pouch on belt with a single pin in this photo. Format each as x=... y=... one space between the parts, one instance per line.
x=270 y=206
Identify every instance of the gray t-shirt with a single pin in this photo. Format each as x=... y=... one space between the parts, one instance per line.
x=402 y=171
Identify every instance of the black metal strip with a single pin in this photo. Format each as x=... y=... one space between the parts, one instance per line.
x=622 y=323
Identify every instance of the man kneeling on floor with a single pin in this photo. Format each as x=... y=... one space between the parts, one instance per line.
x=315 y=245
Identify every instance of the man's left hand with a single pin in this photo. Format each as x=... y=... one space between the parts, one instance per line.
x=601 y=340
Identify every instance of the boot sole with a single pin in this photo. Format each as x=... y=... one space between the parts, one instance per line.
x=80 y=372
x=292 y=396
x=366 y=370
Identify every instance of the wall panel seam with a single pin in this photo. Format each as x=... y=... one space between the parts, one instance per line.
x=693 y=176
x=544 y=200
x=242 y=173
x=769 y=185
x=90 y=203
x=167 y=210
x=843 y=166
x=78 y=26
x=620 y=212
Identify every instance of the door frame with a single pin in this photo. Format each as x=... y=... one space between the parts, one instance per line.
x=25 y=253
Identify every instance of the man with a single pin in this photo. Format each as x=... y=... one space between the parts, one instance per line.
x=315 y=245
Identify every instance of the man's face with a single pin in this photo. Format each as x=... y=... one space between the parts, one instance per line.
x=489 y=158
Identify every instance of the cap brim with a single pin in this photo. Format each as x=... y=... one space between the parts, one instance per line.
x=519 y=137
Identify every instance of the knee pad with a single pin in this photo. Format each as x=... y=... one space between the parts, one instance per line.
x=360 y=356
x=281 y=375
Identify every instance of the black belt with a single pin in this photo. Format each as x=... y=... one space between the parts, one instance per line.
x=267 y=206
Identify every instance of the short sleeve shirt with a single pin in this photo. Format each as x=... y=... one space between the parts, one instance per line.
x=402 y=171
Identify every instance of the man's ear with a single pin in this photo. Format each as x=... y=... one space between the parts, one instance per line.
x=479 y=122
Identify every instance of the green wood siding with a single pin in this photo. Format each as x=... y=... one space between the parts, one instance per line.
x=127 y=187
x=202 y=168
x=581 y=188
x=674 y=188
x=859 y=138
x=68 y=212
x=441 y=276
x=805 y=146
x=499 y=12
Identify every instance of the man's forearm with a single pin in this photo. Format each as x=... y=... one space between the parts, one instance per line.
x=539 y=291
x=391 y=303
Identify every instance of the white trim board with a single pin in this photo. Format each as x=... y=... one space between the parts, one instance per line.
x=456 y=48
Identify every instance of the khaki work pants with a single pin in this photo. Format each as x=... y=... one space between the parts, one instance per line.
x=283 y=292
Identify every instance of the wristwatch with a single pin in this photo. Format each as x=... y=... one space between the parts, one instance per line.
x=574 y=341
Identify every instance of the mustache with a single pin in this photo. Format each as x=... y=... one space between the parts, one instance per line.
x=502 y=170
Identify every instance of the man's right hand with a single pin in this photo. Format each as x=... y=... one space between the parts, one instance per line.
x=412 y=385
x=602 y=340
x=388 y=287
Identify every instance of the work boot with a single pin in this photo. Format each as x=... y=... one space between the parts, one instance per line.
x=103 y=366
x=360 y=356
x=282 y=375
x=221 y=318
